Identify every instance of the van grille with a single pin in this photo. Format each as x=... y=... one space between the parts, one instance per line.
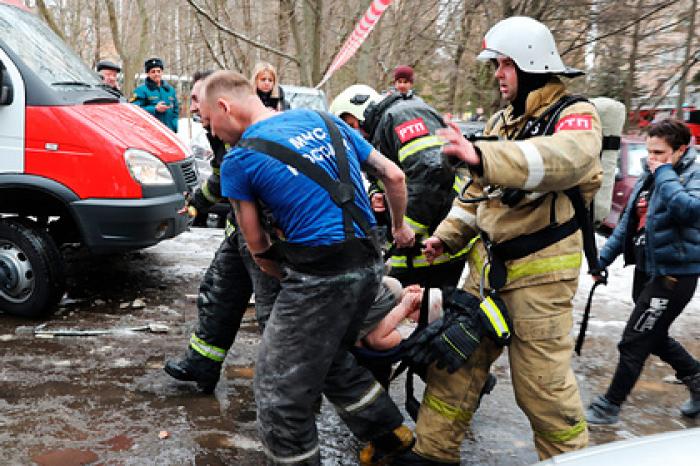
x=189 y=173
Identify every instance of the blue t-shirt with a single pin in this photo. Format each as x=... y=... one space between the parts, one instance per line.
x=301 y=208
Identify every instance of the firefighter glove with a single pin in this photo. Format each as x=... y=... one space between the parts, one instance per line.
x=457 y=342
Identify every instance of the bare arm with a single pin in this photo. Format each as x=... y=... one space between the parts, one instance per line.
x=395 y=187
x=257 y=240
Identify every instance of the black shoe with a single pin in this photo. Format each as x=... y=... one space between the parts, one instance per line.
x=181 y=370
x=411 y=458
x=383 y=449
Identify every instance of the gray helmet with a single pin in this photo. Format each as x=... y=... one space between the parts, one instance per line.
x=529 y=43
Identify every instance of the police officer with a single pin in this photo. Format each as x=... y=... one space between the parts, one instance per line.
x=547 y=147
x=328 y=264
x=227 y=285
x=403 y=127
x=109 y=71
x=156 y=96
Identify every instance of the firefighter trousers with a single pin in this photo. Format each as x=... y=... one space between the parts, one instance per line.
x=543 y=381
x=305 y=352
x=224 y=294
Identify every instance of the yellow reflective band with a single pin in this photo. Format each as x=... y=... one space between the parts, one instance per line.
x=208 y=194
x=419 y=145
x=230 y=228
x=545 y=265
x=205 y=349
x=561 y=436
x=417 y=227
x=458 y=184
x=216 y=171
x=534 y=267
x=495 y=316
x=445 y=409
x=421 y=261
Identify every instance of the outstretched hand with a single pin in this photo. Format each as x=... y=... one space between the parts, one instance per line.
x=456 y=145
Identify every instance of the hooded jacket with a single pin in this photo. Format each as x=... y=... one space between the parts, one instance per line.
x=672 y=225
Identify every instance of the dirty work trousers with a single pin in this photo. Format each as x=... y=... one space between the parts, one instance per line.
x=305 y=352
x=223 y=297
x=658 y=301
x=543 y=381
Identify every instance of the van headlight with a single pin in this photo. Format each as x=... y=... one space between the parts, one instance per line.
x=146 y=168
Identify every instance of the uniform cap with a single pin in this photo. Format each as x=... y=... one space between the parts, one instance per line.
x=153 y=63
x=108 y=65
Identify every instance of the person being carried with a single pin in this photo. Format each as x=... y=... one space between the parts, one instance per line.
x=659 y=233
x=328 y=265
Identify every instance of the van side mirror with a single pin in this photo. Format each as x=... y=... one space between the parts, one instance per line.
x=6 y=93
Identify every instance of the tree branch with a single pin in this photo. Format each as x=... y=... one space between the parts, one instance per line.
x=248 y=40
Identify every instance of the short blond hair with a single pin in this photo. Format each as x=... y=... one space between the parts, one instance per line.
x=227 y=83
x=260 y=67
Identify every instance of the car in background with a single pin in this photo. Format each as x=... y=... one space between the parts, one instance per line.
x=304 y=97
x=630 y=166
x=471 y=129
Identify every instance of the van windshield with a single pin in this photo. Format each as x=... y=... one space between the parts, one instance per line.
x=43 y=51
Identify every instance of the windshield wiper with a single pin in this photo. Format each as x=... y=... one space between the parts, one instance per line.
x=71 y=83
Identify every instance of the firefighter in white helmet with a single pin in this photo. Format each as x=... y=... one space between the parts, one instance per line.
x=526 y=229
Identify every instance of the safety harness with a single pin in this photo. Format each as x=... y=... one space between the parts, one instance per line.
x=524 y=245
x=333 y=258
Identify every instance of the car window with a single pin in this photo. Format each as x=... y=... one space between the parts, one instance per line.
x=636 y=153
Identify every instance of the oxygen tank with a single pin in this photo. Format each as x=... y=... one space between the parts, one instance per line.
x=612 y=116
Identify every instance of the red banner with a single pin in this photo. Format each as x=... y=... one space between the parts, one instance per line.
x=358 y=36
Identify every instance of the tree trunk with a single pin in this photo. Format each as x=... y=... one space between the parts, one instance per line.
x=46 y=14
x=684 y=70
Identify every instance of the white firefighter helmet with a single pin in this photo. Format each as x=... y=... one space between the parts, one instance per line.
x=529 y=43
x=355 y=100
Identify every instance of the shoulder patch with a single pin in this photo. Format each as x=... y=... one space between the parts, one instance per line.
x=411 y=130
x=574 y=123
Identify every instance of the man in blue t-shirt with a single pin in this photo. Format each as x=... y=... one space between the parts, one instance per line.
x=329 y=267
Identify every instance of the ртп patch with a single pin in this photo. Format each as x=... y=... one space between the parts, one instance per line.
x=574 y=123
x=411 y=129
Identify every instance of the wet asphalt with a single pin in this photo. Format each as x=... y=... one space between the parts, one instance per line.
x=104 y=399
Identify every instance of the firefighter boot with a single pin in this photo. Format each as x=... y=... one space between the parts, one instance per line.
x=691 y=408
x=382 y=450
x=602 y=411
x=203 y=371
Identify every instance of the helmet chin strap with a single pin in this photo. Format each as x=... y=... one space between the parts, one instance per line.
x=527 y=82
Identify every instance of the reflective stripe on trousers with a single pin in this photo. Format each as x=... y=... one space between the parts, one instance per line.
x=205 y=349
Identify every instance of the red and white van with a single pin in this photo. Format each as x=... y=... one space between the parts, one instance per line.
x=77 y=165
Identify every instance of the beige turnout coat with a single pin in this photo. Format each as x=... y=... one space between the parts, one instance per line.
x=545 y=166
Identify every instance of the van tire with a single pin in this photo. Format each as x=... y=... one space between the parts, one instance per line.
x=32 y=278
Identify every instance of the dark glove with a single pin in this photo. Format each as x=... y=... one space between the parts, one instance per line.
x=451 y=339
x=457 y=342
x=198 y=201
x=600 y=271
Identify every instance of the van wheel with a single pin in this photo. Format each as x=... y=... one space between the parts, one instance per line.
x=31 y=269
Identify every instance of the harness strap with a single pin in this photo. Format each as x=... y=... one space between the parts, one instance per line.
x=341 y=192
